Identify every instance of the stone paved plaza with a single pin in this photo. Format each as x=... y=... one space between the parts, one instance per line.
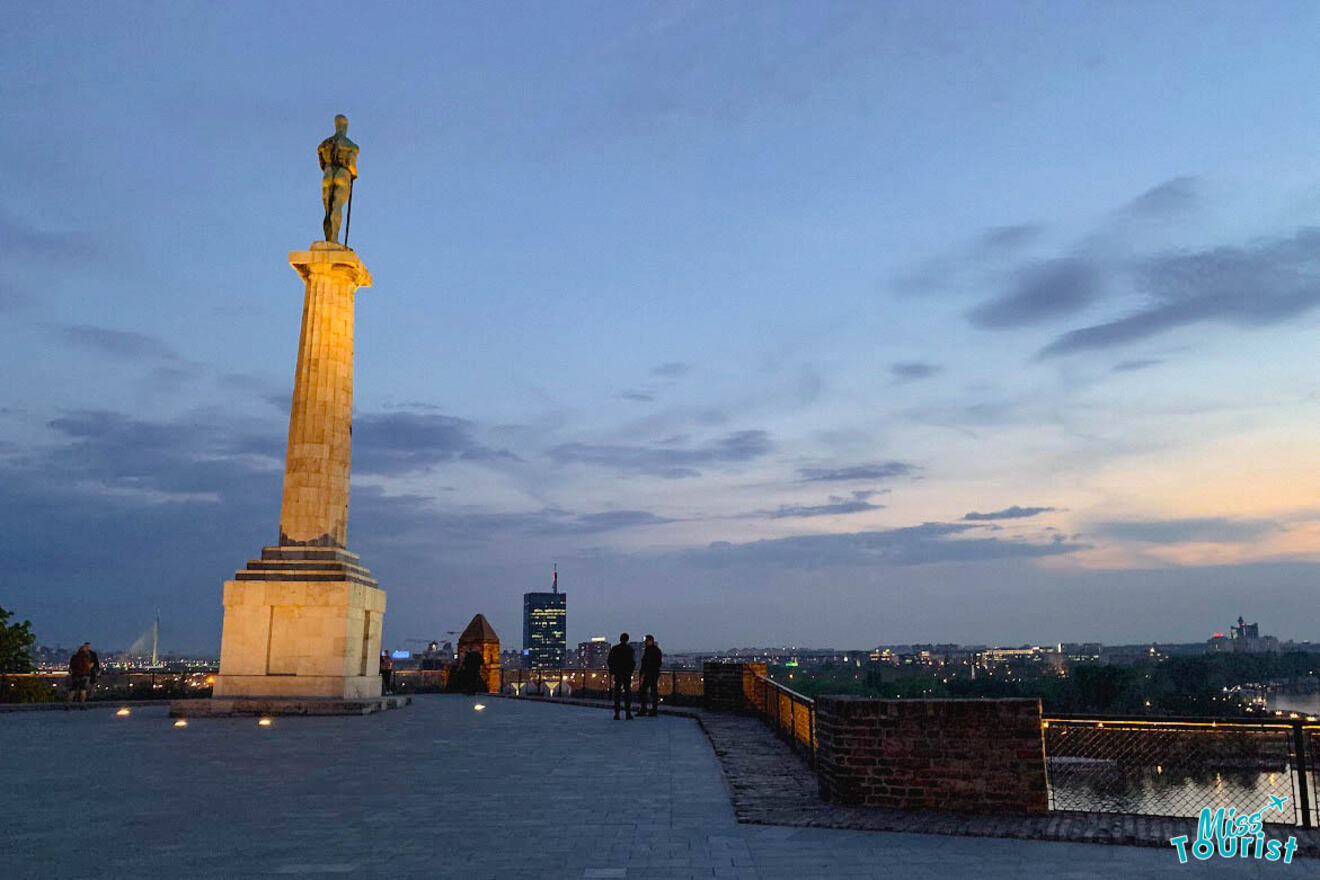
x=438 y=790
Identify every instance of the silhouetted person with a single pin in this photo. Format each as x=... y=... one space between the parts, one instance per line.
x=96 y=670
x=80 y=674
x=650 y=675
x=472 y=664
x=621 y=664
x=386 y=674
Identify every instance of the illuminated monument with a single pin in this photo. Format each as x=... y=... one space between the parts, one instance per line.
x=303 y=622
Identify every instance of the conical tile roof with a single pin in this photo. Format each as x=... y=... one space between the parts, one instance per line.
x=479 y=630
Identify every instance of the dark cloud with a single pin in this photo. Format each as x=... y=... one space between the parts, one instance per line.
x=1003 y=239
x=1260 y=284
x=1013 y=512
x=910 y=371
x=202 y=455
x=399 y=442
x=671 y=370
x=836 y=506
x=1171 y=197
x=1214 y=530
x=671 y=461
x=20 y=240
x=880 y=471
x=914 y=545
x=1041 y=292
x=123 y=344
x=173 y=378
x=607 y=521
x=1139 y=364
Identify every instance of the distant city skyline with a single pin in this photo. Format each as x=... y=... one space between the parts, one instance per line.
x=823 y=323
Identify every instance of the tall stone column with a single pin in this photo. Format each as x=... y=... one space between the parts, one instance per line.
x=303 y=622
x=315 y=507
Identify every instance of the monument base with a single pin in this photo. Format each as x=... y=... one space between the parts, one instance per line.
x=221 y=707
x=301 y=623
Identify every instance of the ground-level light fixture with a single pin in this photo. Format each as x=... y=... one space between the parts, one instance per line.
x=182 y=722
x=123 y=710
x=479 y=706
x=264 y=722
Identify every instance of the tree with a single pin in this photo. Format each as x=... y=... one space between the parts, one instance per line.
x=16 y=641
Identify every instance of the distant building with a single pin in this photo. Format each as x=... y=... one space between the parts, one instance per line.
x=479 y=637
x=545 y=617
x=1245 y=638
x=593 y=654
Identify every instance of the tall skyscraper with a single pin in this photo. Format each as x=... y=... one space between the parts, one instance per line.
x=545 y=616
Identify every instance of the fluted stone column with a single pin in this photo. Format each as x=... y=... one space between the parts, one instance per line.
x=303 y=621
x=315 y=506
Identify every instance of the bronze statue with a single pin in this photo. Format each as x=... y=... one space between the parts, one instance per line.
x=338 y=156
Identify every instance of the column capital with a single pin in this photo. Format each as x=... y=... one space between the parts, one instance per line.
x=326 y=257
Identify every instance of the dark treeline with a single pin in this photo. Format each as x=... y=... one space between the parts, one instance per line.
x=1180 y=685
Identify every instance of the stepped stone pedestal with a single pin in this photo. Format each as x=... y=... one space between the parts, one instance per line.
x=302 y=622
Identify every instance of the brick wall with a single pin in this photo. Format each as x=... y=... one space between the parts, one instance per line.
x=727 y=687
x=975 y=755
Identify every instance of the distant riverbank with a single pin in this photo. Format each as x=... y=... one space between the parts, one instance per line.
x=1307 y=703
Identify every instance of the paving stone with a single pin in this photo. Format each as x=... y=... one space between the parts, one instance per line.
x=436 y=790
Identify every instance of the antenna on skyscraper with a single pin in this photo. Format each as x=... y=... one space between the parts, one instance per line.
x=554 y=583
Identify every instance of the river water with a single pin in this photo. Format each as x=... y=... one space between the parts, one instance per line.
x=1126 y=773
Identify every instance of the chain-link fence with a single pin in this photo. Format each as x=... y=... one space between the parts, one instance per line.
x=1178 y=768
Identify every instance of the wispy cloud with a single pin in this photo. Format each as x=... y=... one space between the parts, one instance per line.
x=669 y=461
x=1042 y=292
x=400 y=442
x=122 y=344
x=1013 y=512
x=1007 y=239
x=837 y=506
x=1174 y=196
x=1262 y=283
x=1134 y=365
x=671 y=370
x=879 y=471
x=1210 y=530
x=911 y=371
x=925 y=544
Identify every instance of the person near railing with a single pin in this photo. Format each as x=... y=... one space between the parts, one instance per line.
x=386 y=674
x=80 y=673
x=652 y=657
x=621 y=664
x=96 y=670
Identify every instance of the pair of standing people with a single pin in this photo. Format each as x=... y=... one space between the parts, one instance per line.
x=622 y=663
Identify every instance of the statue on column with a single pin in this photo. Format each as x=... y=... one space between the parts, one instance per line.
x=338 y=157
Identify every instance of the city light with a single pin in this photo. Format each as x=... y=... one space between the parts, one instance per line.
x=264 y=722
x=479 y=706
x=182 y=722
x=123 y=711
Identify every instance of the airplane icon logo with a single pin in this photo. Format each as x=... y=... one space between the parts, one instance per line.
x=1276 y=803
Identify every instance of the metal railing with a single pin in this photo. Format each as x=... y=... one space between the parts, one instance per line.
x=792 y=715
x=1177 y=767
x=678 y=687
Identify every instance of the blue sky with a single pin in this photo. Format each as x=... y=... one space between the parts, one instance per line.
x=769 y=323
